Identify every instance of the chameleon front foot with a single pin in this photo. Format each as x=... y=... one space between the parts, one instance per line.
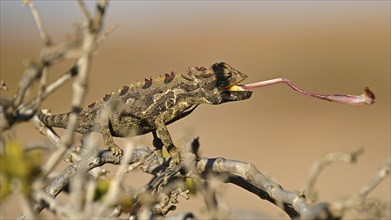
x=109 y=142
x=117 y=151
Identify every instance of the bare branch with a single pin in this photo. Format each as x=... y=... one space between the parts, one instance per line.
x=243 y=183
x=103 y=157
x=276 y=192
x=239 y=173
x=249 y=172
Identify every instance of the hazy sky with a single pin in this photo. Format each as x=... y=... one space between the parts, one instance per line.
x=16 y=19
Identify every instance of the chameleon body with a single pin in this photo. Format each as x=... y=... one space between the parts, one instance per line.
x=151 y=105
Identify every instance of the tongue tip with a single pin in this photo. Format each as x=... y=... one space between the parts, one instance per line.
x=368 y=93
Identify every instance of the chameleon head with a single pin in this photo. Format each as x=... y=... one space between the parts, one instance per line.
x=219 y=83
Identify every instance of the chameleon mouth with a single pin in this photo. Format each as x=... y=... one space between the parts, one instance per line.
x=236 y=92
x=236 y=88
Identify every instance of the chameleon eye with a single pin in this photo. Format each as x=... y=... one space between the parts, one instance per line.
x=228 y=75
x=221 y=68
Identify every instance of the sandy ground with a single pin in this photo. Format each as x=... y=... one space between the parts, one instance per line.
x=325 y=47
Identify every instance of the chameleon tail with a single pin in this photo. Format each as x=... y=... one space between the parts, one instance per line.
x=59 y=121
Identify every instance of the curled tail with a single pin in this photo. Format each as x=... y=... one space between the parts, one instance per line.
x=59 y=121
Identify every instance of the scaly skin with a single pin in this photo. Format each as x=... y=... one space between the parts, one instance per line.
x=151 y=105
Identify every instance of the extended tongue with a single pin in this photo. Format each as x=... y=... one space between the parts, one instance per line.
x=368 y=97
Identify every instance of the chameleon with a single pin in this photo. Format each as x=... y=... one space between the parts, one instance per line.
x=150 y=105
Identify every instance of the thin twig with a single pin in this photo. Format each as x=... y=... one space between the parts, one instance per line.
x=99 y=14
x=84 y=11
x=52 y=204
x=31 y=73
x=357 y=199
x=90 y=195
x=378 y=178
x=105 y=34
x=115 y=186
x=71 y=72
x=42 y=32
x=41 y=88
x=77 y=192
x=206 y=189
x=23 y=201
x=321 y=164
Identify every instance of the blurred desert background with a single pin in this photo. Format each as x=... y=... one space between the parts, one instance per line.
x=322 y=46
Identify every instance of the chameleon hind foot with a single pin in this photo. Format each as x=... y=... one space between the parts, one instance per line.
x=175 y=156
